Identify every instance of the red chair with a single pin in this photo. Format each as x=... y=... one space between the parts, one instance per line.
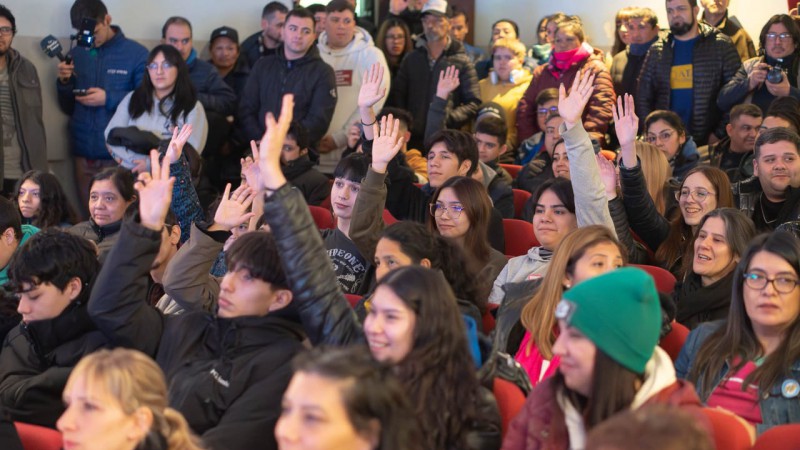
x=488 y=322
x=322 y=217
x=650 y=255
x=512 y=170
x=729 y=432
x=782 y=437
x=665 y=280
x=388 y=218
x=35 y=437
x=520 y=198
x=519 y=237
x=510 y=400
x=327 y=202
x=673 y=341
x=353 y=299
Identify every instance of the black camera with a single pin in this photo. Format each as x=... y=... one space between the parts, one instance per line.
x=775 y=74
x=85 y=36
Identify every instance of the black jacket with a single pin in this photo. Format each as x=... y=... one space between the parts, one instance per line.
x=37 y=359
x=253 y=48
x=625 y=70
x=226 y=376
x=715 y=62
x=212 y=92
x=414 y=88
x=327 y=317
x=311 y=182
x=310 y=79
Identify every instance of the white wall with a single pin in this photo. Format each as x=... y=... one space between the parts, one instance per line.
x=598 y=16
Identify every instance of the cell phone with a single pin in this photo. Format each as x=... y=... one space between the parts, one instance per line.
x=80 y=92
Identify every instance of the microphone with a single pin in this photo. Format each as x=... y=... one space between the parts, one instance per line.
x=53 y=49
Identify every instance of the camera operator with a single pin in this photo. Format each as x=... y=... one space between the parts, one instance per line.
x=773 y=74
x=22 y=142
x=105 y=67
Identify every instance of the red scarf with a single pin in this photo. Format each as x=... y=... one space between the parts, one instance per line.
x=561 y=61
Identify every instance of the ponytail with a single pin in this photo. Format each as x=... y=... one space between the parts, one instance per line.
x=176 y=431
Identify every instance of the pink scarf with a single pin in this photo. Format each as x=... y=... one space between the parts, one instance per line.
x=561 y=61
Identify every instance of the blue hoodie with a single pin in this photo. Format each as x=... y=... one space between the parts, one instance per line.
x=690 y=157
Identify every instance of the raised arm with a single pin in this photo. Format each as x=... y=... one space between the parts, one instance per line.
x=185 y=202
x=437 y=110
x=325 y=314
x=372 y=91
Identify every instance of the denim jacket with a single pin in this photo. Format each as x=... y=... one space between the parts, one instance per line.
x=775 y=408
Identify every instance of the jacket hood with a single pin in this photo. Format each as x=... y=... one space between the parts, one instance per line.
x=689 y=148
x=539 y=254
x=488 y=173
x=361 y=40
x=659 y=374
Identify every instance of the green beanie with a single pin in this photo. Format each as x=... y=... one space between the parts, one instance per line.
x=619 y=312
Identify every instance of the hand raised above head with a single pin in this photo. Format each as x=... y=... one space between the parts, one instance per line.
x=448 y=82
x=570 y=107
x=269 y=150
x=155 y=193
x=387 y=143
x=232 y=209
x=179 y=138
x=371 y=91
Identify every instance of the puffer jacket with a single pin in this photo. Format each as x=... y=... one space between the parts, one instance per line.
x=212 y=91
x=414 y=88
x=38 y=357
x=117 y=67
x=309 y=78
x=775 y=408
x=326 y=316
x=26 y=99
x=226 y=376
x=597 y=113
x=715 y=62
x=734 y=30
x=737 y=90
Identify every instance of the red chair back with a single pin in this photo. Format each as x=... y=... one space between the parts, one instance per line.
x=512 y=169
x=782 y=437
x=322 y=217
x=519 y=237
x=665 y=280
x=35 y=437
x=353 y=299
x=520 y=198
x=388 y=218
x=729 y=432
x=510 y=401
x=673 y=341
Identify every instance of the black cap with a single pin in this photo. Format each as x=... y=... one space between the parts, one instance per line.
x=227 y=32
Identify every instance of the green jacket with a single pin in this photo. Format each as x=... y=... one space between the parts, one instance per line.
x=27 y=232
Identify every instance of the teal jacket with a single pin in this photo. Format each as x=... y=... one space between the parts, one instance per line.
x=27 y=231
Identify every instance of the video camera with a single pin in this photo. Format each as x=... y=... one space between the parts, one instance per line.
x=85 y=35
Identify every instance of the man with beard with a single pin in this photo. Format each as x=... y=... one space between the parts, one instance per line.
x=415 y=84
x=266 y=41
x=733 y=154
x=22 y=146
x=685 y=71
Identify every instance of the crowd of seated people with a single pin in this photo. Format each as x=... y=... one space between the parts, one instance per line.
x=307 y=241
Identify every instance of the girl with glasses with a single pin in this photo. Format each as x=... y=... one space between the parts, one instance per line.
x=166 y=99
x=750 y=363
x=394 y=40
x=665 y=130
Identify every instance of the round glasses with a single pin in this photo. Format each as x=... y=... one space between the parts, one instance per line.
x=699 y=195
x=438 y=209
x=782 y=284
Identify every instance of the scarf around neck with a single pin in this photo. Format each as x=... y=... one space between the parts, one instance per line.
x=560 y=62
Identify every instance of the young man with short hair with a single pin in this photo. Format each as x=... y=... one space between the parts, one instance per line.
x=266 y=41
x=642 y=26
x=732 y=153
x=298 y=168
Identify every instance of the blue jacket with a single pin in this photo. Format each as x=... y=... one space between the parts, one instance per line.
x=212 y=91
x=117 y=67
x=775 y=408
x=688 y=158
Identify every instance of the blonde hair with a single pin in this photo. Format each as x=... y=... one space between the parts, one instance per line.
x=538 y=315
x=516 y=47
x=135 y=381
x=656 y=171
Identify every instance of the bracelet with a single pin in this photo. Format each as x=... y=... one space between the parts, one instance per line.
x=369 y=124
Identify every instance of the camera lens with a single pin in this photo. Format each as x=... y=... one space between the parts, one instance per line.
x=775 y=75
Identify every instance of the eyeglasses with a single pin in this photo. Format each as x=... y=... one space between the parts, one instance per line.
x=665 y=135
x=545 y=111
x=782 y=36
x=782 y=284
x=438 y=209
x=165 y=65
x=699 y=195
x=6 y=31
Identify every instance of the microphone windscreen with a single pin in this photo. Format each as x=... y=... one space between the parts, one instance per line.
x=52 y=47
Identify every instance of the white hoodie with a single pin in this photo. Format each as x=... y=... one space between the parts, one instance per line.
x=349 y=63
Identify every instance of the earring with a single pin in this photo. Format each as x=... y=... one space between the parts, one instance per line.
x=567 y=285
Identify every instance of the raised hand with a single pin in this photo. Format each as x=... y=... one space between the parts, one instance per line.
x=179 y=138
x=232 y=209
x=371 y=91
x=448 y=82
x=386 y=144
x=269 y=150
x=627 y=125
x=250 y=170
x=155 y=193
x=570 y=107
x=608 y=173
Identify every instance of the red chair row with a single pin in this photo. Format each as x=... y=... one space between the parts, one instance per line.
x=325 y=220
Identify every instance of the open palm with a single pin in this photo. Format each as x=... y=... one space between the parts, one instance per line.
x=570 y=107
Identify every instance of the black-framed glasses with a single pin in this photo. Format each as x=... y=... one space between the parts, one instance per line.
x=165 y=65
x=699 y=195
x=782 y=284
x=782 y=36
x=454 y=211
x=6 y=31
x=547 y=111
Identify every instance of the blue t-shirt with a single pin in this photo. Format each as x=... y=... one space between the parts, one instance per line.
x=681 y=80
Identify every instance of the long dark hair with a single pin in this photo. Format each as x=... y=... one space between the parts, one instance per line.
x=679 y=235
x=736 y=341
x=370 y=392
x=183 y=94
x=613 y=390
x=418 y=243
x=380 y=40
x=739 y=230
x=54 y=208
x=478 y=209
x=437 y=374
